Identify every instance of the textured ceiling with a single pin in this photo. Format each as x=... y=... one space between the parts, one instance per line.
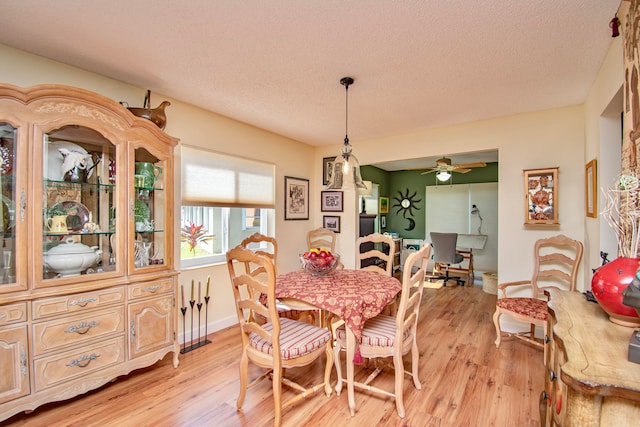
x=277 y=64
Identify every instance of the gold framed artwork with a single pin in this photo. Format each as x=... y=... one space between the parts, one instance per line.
x=384 y=205
x=590 y=186
x=541 y=196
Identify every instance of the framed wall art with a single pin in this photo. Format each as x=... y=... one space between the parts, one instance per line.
x=541 y=196
x=327 y=167
x=383 y=221
x=331 y=201
x=591 y=183
x=296 y=200
x=384 y=205
x=331 y=223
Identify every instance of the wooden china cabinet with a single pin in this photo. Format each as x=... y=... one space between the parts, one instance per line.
x=87 y=279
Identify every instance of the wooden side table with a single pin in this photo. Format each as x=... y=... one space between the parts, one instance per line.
x=589 y=380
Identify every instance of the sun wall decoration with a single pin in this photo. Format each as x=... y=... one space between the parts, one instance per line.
x=406 y=203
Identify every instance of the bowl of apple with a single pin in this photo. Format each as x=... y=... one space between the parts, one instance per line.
x=319 y=261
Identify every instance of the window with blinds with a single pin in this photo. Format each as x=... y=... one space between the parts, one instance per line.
x=224 y=200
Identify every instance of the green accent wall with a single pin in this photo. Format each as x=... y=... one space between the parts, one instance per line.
x=396 y=185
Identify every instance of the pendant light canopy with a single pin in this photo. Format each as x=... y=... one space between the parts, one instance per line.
x=346 y=168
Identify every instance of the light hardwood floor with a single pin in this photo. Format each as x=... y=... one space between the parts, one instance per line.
x=466 y=381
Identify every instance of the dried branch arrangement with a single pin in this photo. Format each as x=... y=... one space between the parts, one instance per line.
x=622 y=213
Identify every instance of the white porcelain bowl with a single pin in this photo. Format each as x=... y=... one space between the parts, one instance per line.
x=71 y=258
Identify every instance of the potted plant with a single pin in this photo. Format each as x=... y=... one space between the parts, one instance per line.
x=193 y=235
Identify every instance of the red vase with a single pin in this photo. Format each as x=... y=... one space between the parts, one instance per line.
x=607 y=285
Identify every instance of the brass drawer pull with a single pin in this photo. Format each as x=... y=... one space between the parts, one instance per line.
x=83 y=361
x=82 y=328
x=552 y=375
x=152 y=288
x=82 y=302
x=23 y=361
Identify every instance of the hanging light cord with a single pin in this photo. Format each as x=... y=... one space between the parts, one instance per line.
x=346 y=115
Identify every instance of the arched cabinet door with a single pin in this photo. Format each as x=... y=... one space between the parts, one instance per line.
x=79 y=203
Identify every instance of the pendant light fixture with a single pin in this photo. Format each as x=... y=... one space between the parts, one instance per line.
x=443 y=176
x=346 y=168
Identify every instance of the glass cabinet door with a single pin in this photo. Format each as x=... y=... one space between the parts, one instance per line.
x=149 y=210
x=78 y=204
x=8 y=204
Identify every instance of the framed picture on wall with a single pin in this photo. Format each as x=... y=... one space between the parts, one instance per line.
x=384 y=205
x=331 y=223
x=327 y=167
x=541 y=196
x=296 y=200
x=331 y=201
x=591 y=183
x=383 y=221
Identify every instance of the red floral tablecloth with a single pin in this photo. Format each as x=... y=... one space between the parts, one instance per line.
x=352 y=295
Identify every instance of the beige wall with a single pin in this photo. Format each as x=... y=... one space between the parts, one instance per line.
x=534 y=140
x=526 y=141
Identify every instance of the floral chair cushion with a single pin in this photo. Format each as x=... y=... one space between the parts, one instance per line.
x=530 y=307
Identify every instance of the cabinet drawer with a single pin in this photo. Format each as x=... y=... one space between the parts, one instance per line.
x=54 y=334
x=58 y=368
x=13 y=313
x=70 y=304
x=147 y=289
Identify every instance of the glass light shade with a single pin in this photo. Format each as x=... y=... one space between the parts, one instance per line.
x=443 y=176
x=346 y=171
x=366 y=191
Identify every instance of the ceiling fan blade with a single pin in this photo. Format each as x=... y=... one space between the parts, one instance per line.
x=470 y=165
x=461 y=170
x=430 y=171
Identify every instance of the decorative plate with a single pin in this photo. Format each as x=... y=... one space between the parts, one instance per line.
x=74 y=224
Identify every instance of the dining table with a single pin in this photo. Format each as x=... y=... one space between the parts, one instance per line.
x=352 y=295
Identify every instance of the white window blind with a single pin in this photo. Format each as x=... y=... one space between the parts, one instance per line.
x=213 y=179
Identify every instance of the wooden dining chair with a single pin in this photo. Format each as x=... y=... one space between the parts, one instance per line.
x=268 y=247
x=386 y=336
x=556 y=263
x=321 y=238
x=280 y=343
x=371 y=255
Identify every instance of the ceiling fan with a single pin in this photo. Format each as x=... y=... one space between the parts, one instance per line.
x=444 y=165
